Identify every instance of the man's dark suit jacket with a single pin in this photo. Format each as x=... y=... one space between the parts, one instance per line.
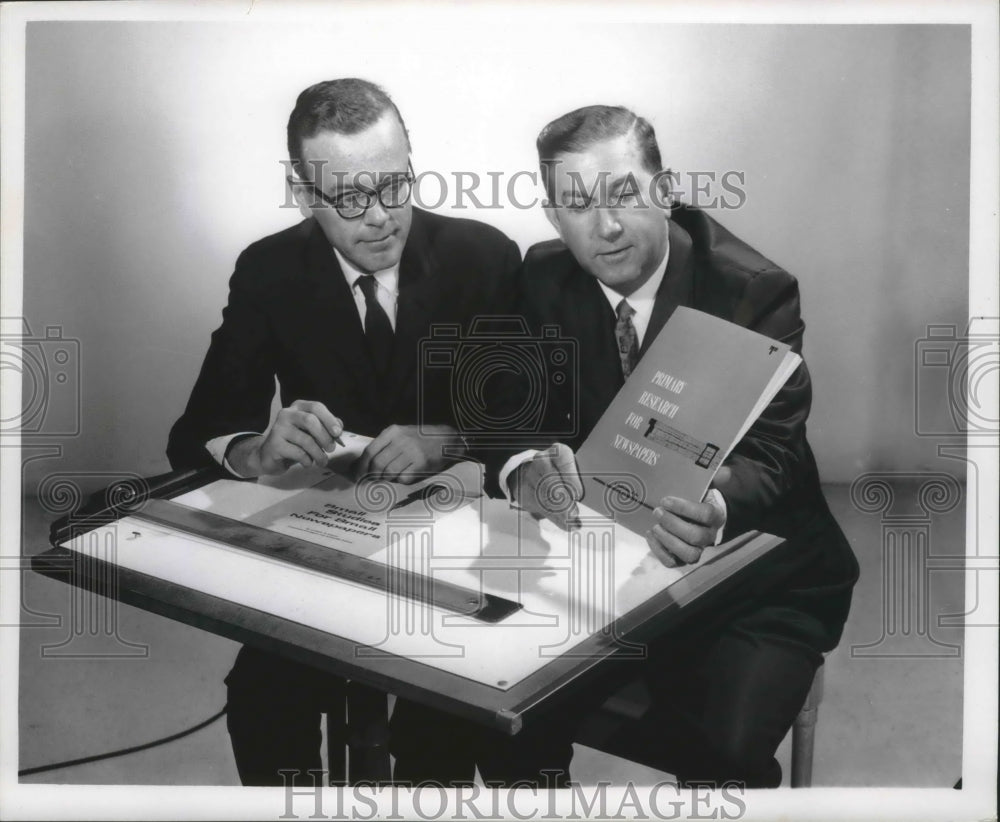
x=291 y=315
x=775 y=484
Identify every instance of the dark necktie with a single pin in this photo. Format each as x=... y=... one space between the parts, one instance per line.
x=628 y=342
x=378 y=329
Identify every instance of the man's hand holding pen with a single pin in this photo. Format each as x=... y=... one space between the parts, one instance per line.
x=302 y=433
x=306 y=433
x=549 y=485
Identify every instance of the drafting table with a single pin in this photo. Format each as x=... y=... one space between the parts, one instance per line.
x=470 y=606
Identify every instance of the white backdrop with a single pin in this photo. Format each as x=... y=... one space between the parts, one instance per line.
x=153 y=157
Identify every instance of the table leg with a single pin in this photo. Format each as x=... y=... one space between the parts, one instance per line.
x=336 y=743
x=368 y=735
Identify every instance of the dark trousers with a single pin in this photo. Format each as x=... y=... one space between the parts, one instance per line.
x=721 y=704
x=273 y=714
x=432 y=746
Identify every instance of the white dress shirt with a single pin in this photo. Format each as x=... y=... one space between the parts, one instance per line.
x=386 y=288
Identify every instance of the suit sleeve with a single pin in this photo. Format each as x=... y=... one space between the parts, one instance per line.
x=234 y=389
x=503 y=299
x=770 y=462
x=518 y=417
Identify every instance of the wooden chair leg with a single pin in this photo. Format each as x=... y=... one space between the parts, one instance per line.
x=804 y=734
x=368 y=735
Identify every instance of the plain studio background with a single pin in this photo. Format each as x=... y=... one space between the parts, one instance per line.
x=153 y=157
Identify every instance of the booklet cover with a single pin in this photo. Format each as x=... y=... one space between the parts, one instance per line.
x=696 y=391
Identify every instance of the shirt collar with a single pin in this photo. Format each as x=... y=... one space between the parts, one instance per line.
x=642 y=298
x=387 y=278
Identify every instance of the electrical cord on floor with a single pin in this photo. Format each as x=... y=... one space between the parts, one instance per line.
x=111 y=754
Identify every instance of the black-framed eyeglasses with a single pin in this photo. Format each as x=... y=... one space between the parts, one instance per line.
x=393 y=193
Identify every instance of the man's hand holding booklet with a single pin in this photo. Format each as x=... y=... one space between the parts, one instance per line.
x=654 y=460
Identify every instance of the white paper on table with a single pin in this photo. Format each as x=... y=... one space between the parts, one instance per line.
x=570 y=584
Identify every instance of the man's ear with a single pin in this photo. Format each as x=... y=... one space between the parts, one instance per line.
x=303 y=194
x=664 y=189
x=552 y=215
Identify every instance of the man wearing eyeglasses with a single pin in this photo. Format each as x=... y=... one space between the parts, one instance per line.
x=334 y=308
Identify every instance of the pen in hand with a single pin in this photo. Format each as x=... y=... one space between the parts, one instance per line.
x=419 y=494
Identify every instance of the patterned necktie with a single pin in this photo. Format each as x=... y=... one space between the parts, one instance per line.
x=628 y=342
x=378 y=329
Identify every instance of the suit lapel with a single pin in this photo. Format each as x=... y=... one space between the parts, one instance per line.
x=591 y=323
x=419 y=293
x=341 y=334
x=677 y=286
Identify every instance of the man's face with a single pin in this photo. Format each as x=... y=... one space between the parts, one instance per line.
x=340 y=164
x=606 y=214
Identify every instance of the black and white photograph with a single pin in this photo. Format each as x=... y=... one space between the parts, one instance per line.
x=499 y=410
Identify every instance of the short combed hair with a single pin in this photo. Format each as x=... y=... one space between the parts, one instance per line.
x=345 y=106
x=582 y=128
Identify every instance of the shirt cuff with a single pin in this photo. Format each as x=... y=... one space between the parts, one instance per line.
x=218 y=446
x=714 y=496
x=511 y=465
